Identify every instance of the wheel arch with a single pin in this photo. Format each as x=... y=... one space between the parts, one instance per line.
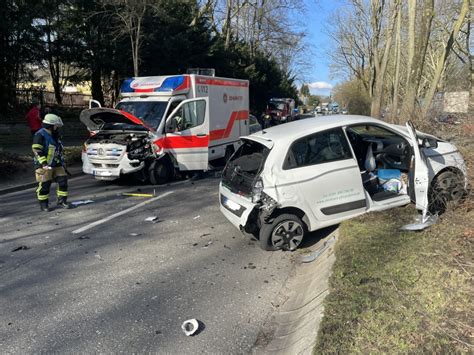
x=292 y=210
x=448 y=168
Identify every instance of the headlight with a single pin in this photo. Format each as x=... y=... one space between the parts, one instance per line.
x=257 y=190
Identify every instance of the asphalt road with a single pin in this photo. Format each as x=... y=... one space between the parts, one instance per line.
x=125 y=284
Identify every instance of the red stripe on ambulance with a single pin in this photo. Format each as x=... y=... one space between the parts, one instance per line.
x=220 y=82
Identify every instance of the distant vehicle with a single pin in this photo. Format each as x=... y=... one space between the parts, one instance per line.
x=280 y=110
x=254 y=125
x=310 y=174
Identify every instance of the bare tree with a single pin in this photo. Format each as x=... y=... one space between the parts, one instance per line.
x=131 y=14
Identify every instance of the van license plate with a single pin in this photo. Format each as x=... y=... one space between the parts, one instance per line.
x=101 y=173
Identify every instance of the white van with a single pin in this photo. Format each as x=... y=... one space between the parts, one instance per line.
x=287 y=180
x=166 y=123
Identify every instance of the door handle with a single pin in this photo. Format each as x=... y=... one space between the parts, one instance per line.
x=201 y=135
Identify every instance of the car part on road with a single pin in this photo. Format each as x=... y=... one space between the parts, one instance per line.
x=190 y=327
x=419 y=225
x=151 y=219
x=81 y=202
x=285 y=232
x=317 y=253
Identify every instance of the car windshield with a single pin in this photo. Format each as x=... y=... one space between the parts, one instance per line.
x=150 y=112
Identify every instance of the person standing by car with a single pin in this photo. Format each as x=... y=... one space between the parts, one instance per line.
x=49 y=162
x=34 y=118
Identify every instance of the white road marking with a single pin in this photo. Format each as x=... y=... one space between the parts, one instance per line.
x=118 y=214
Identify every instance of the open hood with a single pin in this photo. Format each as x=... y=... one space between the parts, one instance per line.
x=98 y=119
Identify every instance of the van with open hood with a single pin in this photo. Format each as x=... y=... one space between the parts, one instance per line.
x=165 y=124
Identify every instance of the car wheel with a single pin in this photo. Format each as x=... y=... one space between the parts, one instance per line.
x=160 y=171
x=285 y=232
x=447 y=190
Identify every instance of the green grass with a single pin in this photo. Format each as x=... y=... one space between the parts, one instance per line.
x=394 y=291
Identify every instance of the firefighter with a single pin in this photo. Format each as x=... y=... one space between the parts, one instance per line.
x=49 y=162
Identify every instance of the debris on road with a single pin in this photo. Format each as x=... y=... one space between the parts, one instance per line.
x=197 y=217
x=317 y=253
x=207 y=244
x=190 y=327
x=136 y=195
x=21 y=247
x=82 y=237
x=151 y=219
x=419 y=224
x=81 y=202
x=134 y=234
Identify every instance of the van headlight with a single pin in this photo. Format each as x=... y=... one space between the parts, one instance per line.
x=257 y=190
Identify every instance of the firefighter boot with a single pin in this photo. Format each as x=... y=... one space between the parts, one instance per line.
x=44 y=206
x=62 y=202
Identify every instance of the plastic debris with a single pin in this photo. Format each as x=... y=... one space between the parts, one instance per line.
x=21 y=247
x=207 y=244
x=190 y=327
x=151 y=219
x=317 y=253
x=197 y=217
x=419 y=225
x=81 y=202
x=136 y=195
x=134 y=234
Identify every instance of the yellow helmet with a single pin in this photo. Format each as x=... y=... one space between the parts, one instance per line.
x=53 y=120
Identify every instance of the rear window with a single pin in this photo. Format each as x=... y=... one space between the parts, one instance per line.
x=244 y=166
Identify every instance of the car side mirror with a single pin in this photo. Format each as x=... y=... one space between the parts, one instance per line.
x=170 y=125
x=429 y=143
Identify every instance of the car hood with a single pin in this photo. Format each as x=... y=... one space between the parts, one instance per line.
x=97 y=119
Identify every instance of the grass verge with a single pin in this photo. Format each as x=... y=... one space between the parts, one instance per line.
x=394 y=291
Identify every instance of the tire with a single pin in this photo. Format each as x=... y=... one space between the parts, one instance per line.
x=285 y=232
x=160 y=171
x=447 y=190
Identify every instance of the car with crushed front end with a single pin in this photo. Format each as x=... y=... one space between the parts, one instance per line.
x=286 y=181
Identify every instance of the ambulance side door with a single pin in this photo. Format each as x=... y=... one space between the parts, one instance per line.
x=187 y=134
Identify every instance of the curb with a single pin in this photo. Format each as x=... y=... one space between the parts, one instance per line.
x=294 y=327
x=30 y=185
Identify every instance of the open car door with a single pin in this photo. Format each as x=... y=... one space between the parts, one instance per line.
x=421 y=179
x=187 y=134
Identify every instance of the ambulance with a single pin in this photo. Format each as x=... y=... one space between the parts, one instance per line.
x=165 y=124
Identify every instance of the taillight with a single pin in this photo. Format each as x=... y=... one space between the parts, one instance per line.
x=257 y=190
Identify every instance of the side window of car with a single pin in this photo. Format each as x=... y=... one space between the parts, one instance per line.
x=319 y=148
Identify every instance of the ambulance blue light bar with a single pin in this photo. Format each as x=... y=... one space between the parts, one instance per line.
x=155 y=84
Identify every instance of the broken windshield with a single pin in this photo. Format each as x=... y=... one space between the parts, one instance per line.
x=150 y=112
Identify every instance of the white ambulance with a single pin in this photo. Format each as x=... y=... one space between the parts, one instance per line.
x=166 y=123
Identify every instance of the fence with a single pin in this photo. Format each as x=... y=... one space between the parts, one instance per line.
x=47 y=98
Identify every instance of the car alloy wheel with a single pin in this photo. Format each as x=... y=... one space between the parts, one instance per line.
x=285 y=232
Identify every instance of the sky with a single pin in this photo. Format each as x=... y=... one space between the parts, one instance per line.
x=317 y=18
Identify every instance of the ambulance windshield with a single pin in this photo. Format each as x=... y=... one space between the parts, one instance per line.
x=150 y=112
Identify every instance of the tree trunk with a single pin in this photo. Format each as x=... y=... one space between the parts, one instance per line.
x=394 y=110
x=416 y=69
x=96 y=84
x=441 y=63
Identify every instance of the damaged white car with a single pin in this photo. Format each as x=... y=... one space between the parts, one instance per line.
x=287 y=180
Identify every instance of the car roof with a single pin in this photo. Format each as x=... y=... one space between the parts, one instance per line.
x=292 y=130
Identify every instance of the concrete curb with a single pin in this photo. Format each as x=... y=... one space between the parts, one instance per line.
x=30 y=185
x=295 y=325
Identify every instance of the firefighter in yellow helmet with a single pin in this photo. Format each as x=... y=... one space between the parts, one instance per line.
x=49 y=162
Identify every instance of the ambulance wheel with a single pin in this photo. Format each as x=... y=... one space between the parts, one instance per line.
x=160 y=171
x=285 y=232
